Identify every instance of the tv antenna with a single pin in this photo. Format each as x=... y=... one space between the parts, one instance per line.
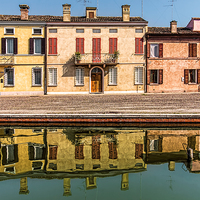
x=172 y=5
x=142 y=7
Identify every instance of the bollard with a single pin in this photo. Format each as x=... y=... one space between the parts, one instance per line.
x=190 y=154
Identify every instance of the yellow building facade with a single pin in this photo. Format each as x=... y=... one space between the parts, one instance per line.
x=93 y=54
x=22 y=43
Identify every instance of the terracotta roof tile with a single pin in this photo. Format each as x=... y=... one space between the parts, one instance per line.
x=49 y=18
x=166 y=30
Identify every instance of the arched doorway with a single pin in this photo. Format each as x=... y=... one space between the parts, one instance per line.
x=96 y=80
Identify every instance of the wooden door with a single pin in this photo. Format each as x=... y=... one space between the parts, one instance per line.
x=138 y=151
x=96 y=50
x=53 y=152
x=96 y=82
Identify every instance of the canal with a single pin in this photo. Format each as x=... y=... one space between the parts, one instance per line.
x=99 y=163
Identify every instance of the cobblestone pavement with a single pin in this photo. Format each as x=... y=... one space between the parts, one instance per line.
x=102 y=104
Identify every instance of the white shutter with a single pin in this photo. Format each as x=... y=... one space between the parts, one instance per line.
x=52 y=77
x=140 y=77
x=55 y=76
x=113 y=76
x=80 y=76
x=136 y=75
x=33 y=77
x=5 y=77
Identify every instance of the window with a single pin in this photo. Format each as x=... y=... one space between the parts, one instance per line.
x=79 y=30
x=191 y=76
x=79 y=154
x=52 y=45
x=156 y=50
x=37 y=46
x=52 y=30
x=9 y=31
x=112 y=30
x=37 y=31
x=80 y=45
x=138 y=75
x=91 y=14
x=53 y=152
x=138 y=45
x=112 y=45
x=139 y=30
x=10 y=154
x=9 y=77
x=154 y=145
x=79 y=76
x=9 y=45
x=36 y=151
x=36 y=76
x=155 y=76
x=112 y=76
x=96 y=30
x=52 y=76
x=192 y=50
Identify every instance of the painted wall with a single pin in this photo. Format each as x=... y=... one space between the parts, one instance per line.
x=23 y=63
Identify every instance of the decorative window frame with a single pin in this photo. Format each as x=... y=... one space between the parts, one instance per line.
x=5 y=78
x=33 y=78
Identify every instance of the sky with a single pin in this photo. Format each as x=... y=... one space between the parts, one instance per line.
x=156 y=12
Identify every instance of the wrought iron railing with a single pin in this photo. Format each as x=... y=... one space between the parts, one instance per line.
x=88 y=58
x=6 y=60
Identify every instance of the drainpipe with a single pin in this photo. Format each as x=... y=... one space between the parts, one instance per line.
x=45 y=62
x=145 y=69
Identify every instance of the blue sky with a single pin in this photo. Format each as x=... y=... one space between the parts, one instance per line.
x=156 y=12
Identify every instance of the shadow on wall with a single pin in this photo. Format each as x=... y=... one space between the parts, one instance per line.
x=68 y=67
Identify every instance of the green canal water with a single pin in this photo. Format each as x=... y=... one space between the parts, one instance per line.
x=99 y=163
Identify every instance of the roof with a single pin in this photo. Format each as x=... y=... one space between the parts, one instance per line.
x=49 y=18
x=166 y=30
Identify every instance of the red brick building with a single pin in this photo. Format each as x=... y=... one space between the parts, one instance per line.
x=173 y=59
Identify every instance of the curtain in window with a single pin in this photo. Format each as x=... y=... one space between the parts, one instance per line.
x=154 y=50
x=10 y=46
x=38 y=46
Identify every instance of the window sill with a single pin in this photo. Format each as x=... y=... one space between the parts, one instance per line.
x=37 y=34
x=112 y=84
x=81 y=85
x=9 y=34
x=52 y=85
x=154 y=84
x=36 y=85
x=139 y=54
x=139 y=83
x=8 y=85
x=192 y=83
x=52 y=54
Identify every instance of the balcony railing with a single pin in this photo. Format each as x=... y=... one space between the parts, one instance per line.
x=6 y=60
x=101 y=58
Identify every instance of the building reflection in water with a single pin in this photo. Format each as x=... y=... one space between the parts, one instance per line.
x=91 y=153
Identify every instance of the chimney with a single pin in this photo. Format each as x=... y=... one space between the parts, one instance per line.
x=91 y=12
x=126 y=13
x=173 y=26
x=66 y=12
x=24 y=11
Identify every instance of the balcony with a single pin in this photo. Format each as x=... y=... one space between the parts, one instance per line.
x=6 y=60
x=96 y=59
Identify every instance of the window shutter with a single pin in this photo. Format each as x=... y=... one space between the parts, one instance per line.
x=111 y=46
x=136 y=75
x=31 y=152
x=160 y=50
x=3 y=45
x=82 y=76
x=115 y=44
x=141 y=45
x=137 y=41
x=82 y=45
x=31 y=46
x=55 y=46
x=194 y=50
x=198 y=76
x=15 y=46
x=44 y=153
x=190 y=50
x=186 y=76
x=5 y=77
x=33 y=77
x=16 y=159
x=77 y=45
x=148 y=77
x=148 y=50
x=50 y=46
x=42 y=45
x=4 y=153
x=140 y=77
x=160 y=145
x=160 y=76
